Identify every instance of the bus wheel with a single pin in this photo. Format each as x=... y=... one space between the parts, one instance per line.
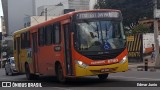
x=102 y=76
x=60 y=75
x=29 y=76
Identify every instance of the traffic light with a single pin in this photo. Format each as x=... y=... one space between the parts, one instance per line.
x=158 y=4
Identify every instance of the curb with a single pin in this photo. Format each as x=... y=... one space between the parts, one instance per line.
x=148 y=67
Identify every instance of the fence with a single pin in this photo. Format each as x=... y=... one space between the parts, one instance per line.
x=135 y=46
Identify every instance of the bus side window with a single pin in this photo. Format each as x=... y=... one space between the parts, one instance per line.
x=15 y=44
x=41 y=36
x=56 y=33
x=22 y=40
x=48 y=35
x=27 y=39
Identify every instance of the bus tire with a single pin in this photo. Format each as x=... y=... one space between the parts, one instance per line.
x=102 y=76
x=29 y=76
x=59 y=73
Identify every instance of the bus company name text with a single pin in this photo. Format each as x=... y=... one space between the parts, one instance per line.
x=98 y=15
x=104 y=61
x=14 y=84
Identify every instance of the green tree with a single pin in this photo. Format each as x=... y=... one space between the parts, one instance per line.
x=140 y=28
x=132 y=10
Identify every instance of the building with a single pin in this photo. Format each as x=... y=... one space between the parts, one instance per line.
x=149 y=23
x=34 y=20
x=79 y=4
x=6 y=42
x=18 y=10
x=92 y=4
x=14 y=12
x=3 y=26
x=39 y=3
x=44 y=13
x=50 y=10
x=5 y=38
x=22 y=13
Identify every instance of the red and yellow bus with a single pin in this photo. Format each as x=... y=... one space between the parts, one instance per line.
x=80 y=43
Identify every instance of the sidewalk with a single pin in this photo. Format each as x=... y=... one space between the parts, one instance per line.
x=139 y=66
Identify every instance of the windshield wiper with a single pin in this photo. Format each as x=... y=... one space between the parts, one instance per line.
x=95 y=29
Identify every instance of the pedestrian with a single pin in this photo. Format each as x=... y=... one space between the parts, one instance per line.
x=153 y=54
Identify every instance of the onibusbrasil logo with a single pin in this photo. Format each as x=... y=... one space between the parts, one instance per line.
x=21 y=84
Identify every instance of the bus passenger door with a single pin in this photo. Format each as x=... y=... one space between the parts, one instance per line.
x=35 y=52
x=67 y=50
x=18 y=54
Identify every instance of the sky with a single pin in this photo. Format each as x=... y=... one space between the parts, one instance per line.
x=1 y=13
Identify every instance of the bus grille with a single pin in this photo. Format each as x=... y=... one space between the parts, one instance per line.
x=102 y=57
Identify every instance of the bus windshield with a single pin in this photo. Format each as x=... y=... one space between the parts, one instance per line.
x=102 y=35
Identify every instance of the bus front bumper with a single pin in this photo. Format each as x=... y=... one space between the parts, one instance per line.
x=105 y=69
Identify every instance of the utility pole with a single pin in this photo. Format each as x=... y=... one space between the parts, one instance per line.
x=156 y=33
x=1 y=52
x=46 y=14
x=1 y=38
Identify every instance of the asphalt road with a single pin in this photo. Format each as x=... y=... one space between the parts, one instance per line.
x=115 y=81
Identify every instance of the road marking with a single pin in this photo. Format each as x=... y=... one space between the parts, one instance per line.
x=136 y=78
x=61 y=88
x=5 y=78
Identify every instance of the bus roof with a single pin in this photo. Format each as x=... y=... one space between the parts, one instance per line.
x=21 y=31
x=62 y=17
x=95 y=10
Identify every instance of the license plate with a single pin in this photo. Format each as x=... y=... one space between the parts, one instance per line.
x=105 y=70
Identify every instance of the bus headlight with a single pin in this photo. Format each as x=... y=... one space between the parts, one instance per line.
x=123 y=60
x=81 y=64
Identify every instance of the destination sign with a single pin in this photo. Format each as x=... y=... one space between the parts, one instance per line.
x=90 y=15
